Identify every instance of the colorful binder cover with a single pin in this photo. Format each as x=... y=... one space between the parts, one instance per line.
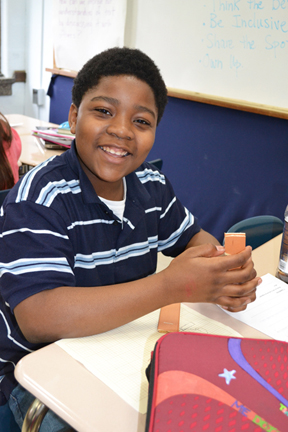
x=216 y=383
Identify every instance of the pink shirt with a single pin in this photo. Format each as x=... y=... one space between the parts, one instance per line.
x=13 y=154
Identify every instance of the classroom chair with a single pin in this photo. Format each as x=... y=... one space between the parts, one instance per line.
x=3 y=194
x=259 y=229
x=158 y=163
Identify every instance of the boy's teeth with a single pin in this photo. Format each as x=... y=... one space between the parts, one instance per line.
x=116 y=152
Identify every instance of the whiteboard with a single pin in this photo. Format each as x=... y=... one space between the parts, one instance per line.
x=228 y=48
x=84 y=28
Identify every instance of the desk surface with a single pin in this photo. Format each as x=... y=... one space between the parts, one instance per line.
x=83 y=400
x=33 y=151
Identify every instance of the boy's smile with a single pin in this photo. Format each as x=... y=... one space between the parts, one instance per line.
x=115 y=127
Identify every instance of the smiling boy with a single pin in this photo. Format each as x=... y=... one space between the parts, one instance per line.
x=110 y=150
x=82 y=231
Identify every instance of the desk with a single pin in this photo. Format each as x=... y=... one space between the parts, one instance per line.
x=33 y=151
x=53 y=376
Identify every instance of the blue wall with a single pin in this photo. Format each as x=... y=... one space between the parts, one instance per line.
x=225 y=165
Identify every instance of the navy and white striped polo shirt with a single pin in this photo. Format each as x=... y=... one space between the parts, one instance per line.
x=55 y=231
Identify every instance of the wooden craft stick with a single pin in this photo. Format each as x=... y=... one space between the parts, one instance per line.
x=169 y=318
x=234 y=243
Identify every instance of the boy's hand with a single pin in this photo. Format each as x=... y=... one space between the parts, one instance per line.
x=200 y=274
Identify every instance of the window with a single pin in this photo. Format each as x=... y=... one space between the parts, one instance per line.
x=18 y=76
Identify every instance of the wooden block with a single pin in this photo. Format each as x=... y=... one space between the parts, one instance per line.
x=169 y=318
x=234 y=243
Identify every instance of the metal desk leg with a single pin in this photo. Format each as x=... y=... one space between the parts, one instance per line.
x=34 y=416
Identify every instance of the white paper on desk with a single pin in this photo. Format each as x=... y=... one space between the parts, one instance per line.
x=14 y=125
x=268 y=313
x=119 y=357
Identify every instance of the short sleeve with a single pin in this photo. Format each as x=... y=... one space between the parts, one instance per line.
x=35 y=252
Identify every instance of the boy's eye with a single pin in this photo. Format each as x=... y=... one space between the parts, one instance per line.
x=144 y=122
x=103 y=111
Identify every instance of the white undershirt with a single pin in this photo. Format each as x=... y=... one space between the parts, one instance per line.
x=117 y=206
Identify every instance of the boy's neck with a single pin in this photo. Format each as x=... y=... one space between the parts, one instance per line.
x=112 y=192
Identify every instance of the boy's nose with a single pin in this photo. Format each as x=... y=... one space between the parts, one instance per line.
x=120 y=128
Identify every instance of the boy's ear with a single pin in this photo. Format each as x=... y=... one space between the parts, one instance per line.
x=72 y=118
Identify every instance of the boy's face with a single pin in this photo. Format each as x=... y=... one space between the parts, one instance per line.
x=115 y=127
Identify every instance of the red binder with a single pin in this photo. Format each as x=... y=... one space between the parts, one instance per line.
x=215 y=383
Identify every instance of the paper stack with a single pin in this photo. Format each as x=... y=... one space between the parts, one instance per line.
x=51 y=135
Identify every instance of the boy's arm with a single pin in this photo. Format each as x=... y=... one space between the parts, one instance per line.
x=191 y=277
x=202 y=237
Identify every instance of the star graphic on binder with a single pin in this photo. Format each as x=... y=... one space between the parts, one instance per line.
x=228 y=375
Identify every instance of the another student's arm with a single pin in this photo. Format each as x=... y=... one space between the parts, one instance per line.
x=199 y=274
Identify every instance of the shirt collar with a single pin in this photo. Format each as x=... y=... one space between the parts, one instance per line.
x=88 y=193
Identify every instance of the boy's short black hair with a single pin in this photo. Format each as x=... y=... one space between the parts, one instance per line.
x=120 y=61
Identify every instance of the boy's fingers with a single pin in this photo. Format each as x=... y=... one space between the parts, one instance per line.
x=241 y=290
x=207 y=250
x=239 y=277
x=235 y=309
x=236 y=304
x=237 y=261
x=239 y=296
